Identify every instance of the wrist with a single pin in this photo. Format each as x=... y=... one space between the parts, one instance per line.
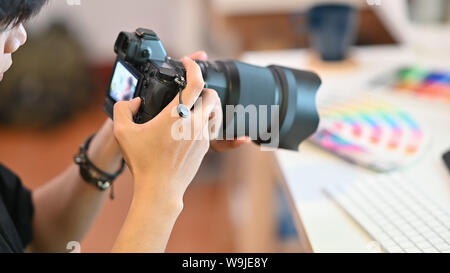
x=151 y=191
x=92 y=173
x=167 y=208
x=104 y=151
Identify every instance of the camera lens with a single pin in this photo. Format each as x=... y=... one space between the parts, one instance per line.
x=280 y=94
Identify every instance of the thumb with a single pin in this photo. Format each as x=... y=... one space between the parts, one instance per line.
x=199 y=55
x=125 y=110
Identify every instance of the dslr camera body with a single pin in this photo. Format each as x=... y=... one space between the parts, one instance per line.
x=143 y=69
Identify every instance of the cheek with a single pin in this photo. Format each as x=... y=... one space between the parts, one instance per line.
x=2 y=43
x=5 y=61
x=2 y=51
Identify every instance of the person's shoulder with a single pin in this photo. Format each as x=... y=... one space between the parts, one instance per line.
x=8 y=179
x=3 y=168
x=17 y=201
x=6 y=174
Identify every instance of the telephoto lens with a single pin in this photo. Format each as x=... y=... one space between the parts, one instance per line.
x=275 y=104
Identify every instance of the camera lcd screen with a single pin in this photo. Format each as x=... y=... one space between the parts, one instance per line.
x=123 y=83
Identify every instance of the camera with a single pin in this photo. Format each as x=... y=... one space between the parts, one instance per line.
x=274 y=105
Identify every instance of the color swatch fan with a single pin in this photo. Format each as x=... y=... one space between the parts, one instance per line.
x=370 y=132
x=418 y=81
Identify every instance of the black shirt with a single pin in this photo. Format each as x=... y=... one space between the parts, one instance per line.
x=16 y=213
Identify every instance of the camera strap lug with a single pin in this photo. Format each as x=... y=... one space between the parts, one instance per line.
x=182 y=109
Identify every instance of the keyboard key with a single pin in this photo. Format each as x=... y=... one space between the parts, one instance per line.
x=413 y=250
x=435 y=240
x=430 y=250
x=424 y=245
x=394 y=249
x=442 y=246
x=445 y=235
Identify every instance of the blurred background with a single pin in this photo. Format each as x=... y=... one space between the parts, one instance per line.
x=52 y=97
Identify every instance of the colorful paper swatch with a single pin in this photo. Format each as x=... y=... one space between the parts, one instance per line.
x=422 y=82
x=370 y=132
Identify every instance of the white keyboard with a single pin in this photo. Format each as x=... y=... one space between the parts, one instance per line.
x=395 y=213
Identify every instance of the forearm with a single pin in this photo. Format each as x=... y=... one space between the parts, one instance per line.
x=66 y=207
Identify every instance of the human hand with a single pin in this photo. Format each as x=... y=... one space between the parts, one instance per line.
x=161 y=164
x=221 y=145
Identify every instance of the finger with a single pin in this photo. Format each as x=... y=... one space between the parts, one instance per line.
x=215 y=121
x=209 y=101
x=223 y=145
x=243 y=139
x=125 y=110
x=204 y=108
x=195 y=82
x=199 y=55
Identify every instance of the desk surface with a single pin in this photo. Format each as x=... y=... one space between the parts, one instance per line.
x=305 y=173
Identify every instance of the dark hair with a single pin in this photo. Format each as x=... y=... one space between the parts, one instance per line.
x=17 y=11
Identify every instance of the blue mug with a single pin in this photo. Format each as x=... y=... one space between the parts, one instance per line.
x=331 y=29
